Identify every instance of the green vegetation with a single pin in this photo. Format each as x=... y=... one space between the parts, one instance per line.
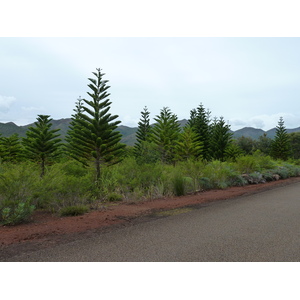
x=280 y=148
x=91 y=168
x=41 y=143
x=93 y=130
x=74 y=210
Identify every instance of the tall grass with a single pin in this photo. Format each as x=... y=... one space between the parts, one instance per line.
x=69 y=184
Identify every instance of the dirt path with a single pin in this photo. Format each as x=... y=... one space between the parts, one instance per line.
x=46 y=230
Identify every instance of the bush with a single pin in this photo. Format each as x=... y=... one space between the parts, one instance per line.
x=247 y=164
x=178 y=185
x=73 y=210
x=15 y=213
x=205 y=183
x=114 y=197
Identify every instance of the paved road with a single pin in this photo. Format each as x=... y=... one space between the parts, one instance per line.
x=260 y=227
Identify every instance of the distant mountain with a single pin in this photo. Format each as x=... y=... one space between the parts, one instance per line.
x=248 y=132
x=128 y=133
x=256 y=133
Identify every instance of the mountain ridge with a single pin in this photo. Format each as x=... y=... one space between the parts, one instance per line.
x=128 y=133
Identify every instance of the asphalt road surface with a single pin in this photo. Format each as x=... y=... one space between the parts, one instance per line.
x=261 y=227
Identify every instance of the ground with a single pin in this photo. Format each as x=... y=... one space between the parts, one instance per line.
x=45 y=230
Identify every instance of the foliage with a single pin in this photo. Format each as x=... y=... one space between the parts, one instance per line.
x=220 y=139
x=264 y=144
x=246 y=144
x=11 y=149
x=165 y=134
x=16 y=213
x=294 y=139
x=247 y=164
x=73 y=210
x=200 y=122
x=114 y=197
x=143 y=132
x=41 y=143
x=188 y=145
x=233 y=151
x=74 y=147
x=149 y=153
x=17 y=185
x=65 y=185
x=94 y=128
x=280 y=148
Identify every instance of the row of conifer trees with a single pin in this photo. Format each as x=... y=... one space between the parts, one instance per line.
x=93 y=136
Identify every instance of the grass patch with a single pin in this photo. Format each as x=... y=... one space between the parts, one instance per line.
x=73 y=210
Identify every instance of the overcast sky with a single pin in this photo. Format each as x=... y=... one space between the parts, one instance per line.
x=248 y=81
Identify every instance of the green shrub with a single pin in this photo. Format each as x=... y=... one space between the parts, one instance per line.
x=282 y=172
x=205 y=183
x=58 y=189
x=268 y=175
x=178 y=185
x=247 y=164
x=73 y=210
x=15 y=213
x=114 y=197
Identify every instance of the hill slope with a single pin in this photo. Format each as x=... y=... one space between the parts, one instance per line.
x=128 y=133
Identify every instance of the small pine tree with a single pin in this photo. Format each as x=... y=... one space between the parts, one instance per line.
x=41 y=143
x=143 y=132
x=74 y=147
x=11 y=149
x=93 y=133
x=200 y=122
x=221 y=139
x=165 y=134
x=280 y=148
x=188 y=145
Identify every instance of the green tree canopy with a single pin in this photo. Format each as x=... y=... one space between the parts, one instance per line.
x=41 y=143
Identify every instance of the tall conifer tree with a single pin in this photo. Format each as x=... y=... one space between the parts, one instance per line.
x=94 y=128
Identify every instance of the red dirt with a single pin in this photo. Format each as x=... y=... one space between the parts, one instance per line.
x=46 y=229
